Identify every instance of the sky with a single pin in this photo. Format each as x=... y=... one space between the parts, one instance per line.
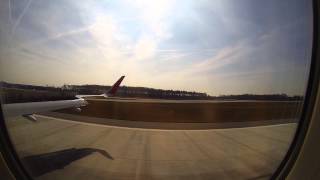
x=212 y=46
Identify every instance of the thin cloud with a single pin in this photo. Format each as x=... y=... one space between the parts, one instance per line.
x=61 y=35
x=10 y=12
x=24 y=11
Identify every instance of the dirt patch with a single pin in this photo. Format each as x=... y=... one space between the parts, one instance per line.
x=190 y=112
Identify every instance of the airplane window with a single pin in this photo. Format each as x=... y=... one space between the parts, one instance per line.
x=138 y=89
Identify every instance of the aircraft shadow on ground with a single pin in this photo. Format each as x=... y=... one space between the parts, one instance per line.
x=40 y=164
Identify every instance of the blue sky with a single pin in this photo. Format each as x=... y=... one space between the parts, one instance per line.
x=217 y=47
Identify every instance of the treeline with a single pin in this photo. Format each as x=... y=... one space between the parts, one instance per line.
x=273 y=97
x=16 y=93
x=138 y=92
x=13 y=93
x=143 y=92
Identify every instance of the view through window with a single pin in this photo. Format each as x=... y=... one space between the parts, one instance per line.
x=163 y=89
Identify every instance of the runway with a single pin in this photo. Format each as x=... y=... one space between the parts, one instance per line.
x=57 y=149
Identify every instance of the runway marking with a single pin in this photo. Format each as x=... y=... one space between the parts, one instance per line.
x=146 y=129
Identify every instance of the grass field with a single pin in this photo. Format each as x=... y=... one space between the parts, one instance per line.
x=191 y=112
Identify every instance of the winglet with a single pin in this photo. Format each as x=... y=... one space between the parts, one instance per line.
x=112 y=91
x=30 y=117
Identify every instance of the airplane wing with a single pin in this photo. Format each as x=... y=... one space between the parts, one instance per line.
x=30 y=108
x=111 y=92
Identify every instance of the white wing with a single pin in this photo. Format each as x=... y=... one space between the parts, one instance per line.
x=30 y=108
x=26 y=109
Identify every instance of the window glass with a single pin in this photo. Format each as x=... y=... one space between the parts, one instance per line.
x=163 y=89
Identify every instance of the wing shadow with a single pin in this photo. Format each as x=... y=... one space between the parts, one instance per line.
x=41 y=164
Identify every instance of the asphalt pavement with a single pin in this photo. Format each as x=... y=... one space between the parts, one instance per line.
x=54 y=148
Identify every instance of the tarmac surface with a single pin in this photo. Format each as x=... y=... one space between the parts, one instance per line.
x=55 y=148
